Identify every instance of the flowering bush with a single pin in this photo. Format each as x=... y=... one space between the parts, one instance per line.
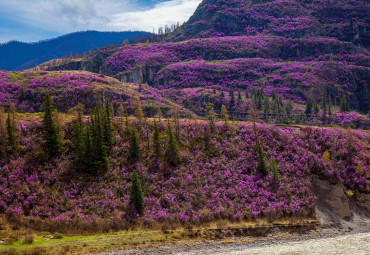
x=217 y=177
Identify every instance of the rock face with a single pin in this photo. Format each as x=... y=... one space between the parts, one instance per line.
x=345 y=20
x=332 y=197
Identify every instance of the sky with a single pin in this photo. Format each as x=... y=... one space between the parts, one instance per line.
x=34 y=20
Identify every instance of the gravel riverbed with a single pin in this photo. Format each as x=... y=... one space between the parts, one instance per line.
x=357 y=243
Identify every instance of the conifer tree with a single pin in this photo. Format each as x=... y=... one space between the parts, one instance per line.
x=98 y=137
x=50 y=131
x=222 y=94
x=275 y=171
x=289 y=108
x=225 y=115
x=121 y=113
x=261 y=162
x=232 y=98
x=78 y=142
x=10 y=125
x=134 y=149
x=211 y=116
x=108 y=125
x=172 y=152
x=136 y=193
x=239 y=98
x=316 y=108
x=344 y=107
x=139 y=114
x=3 y=132
x=308 y=110
x=266 y=108
x=156 y=142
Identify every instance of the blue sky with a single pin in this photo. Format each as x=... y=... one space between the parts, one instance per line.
x=33 y=20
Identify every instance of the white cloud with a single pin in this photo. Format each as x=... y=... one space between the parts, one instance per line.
x=62 y=16
x=165 y=13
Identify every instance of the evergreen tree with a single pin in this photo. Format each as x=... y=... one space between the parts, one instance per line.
x=246 y=94
x=10 y=126
x=225 y=115
x=275 y=171
x=98 y=138
x=134 y=149
x=156 y=141
x=136 y=194
x=289 y=108
x=232 y=98
x=121 y=113
x=139 y=114
x=344 y=107
x=261 y=162
x=266 y=108
x=222 y=94
x=329 y=108
x=211 y=116
x=308 y=107
x=51 y=137
x=3 y=133
x=108 y=125
x=239 y=98
x=78 y=142
x=172 y=152
x=316 y=108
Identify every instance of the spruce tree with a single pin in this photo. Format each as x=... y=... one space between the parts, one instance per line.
x=98 y=138
x=239 y=98
x=232 y=98
x=3 y=133
x=275 y=171
x=289 y=108
x=172 y=152
x=121 y=113
x=156 y=142
x=136 y=194
x=261 y=162
x=134 y=149
x=52 y=144
x=108 y=125
x=211 y=116
x=308 y=110
x=225 y=115
x=78 y=142
x=344 y=107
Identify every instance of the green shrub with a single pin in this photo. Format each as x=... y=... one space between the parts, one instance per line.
x=28 y=239
x=58 y=235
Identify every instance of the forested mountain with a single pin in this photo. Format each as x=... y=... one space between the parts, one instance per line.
x=16 y=55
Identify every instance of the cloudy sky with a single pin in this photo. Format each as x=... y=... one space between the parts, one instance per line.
x=33 y=20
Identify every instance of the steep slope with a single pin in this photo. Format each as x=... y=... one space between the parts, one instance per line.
x=344 y=20
x=26 y=91
x=19 y=56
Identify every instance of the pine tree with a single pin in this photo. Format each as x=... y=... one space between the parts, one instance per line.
x=211 y=116
x=275 y=171
x=261 y=162
x=3 y=133
x=121 y=113
x=266 y=108
x=51 y=137
x=108 y=125
x=10 y=125
x=232 y=98
x=98 y=138
x=78 y=142
x=225 y=115
x=316 y=108
x=134 y=149
x=222 y=94
x=156 y=142
x=344 y=107
x=308 y=107
x=239 y=98
x=136 y=194
x=172 y=152
x=289 y=108
x=139 y=114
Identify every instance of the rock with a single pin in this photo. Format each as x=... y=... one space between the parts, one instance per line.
x=332 y=197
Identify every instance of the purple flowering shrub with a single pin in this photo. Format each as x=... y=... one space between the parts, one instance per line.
x=217 y=178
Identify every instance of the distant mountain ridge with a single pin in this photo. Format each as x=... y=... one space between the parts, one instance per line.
x=15 y=56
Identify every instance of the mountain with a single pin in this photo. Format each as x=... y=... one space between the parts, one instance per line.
x=296 y=52
x=344 y=20
x=19 y=55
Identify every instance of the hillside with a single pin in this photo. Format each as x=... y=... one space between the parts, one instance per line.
x=344 y=20
x=19 y=56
